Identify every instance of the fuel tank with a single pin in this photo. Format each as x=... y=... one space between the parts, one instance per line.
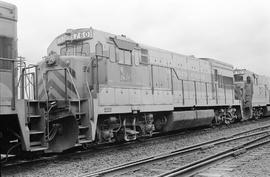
x=189 y=119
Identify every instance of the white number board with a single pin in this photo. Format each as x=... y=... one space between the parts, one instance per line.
x=75 y=35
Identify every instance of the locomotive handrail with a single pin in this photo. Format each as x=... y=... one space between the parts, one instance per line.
x=86 y=78
x=88 y=86
x=28 y=86
x=73 y=83
x=35 y=80
x=9 y=59
x=75 y=87
x=30 y=66
x=175 y=73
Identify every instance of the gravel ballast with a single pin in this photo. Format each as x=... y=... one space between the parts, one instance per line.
x=75 y=166
x=254 y=163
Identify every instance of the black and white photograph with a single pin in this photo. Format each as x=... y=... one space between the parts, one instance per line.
x=138 y=88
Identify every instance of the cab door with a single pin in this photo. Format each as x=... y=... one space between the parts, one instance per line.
x=6 y=75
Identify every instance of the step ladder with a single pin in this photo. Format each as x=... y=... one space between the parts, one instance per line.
x=36 y=125
x=79 y=108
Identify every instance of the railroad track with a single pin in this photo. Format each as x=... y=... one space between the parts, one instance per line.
x=14 y=161
x=195 y=167
x=20 y=162
x=175 y=163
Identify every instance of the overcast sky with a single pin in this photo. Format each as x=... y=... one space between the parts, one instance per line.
x=233 y=31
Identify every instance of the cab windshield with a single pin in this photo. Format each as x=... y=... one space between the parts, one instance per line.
x=75 y=49
x=238 y=78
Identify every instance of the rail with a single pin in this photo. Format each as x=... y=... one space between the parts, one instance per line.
x=15 y=161
x=126 y=166
x=193 y=168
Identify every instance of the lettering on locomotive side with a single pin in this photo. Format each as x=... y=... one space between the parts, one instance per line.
x=107 y=109
x=125 y=73
x=75 y=36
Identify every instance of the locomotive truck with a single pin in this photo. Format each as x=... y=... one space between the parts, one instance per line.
x=94 y=87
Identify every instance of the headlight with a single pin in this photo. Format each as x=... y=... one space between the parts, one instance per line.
x=51 y=60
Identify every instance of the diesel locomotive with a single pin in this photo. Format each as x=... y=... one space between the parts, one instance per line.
x=94 y=87
x=103 y=88
x=9 y=124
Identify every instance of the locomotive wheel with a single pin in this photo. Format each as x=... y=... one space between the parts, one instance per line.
x=226 y=121
x=119 y=136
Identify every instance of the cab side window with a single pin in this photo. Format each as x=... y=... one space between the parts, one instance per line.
x=144 y=56
x=136 y=56
x=5 y=52
x=124 y=57
x=112 y=53
x=120 y=56
x=248 y=80
x=215 y=75
x=127 y=57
